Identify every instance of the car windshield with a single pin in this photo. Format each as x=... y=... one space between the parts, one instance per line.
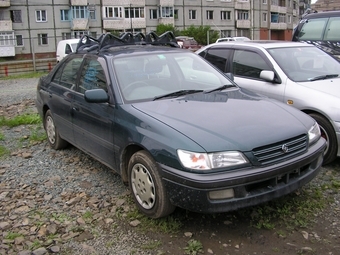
x=149 y=76
x=304 y=64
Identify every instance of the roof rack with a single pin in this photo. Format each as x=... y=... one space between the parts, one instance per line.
x=88 y=43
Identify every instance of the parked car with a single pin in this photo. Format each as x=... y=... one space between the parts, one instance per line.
x=178 y=131
x=294 y=73
x=231 y=39
x=187 y=42
x=322 y=30
x=66 y=47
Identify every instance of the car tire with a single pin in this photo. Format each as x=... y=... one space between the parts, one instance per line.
x=328 y=133
x=147 y=187
x=53 y=137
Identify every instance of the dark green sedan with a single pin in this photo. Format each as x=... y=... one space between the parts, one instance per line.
x=177 y=130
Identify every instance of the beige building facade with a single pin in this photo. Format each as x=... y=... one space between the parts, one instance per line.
x=31 y=28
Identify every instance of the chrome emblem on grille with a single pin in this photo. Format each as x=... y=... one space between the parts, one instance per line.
x=285 y=148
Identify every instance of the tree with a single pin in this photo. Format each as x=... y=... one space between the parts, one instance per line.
x=162 y=28
x=201 y=33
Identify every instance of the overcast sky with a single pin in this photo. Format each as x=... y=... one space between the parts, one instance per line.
x=313 y=1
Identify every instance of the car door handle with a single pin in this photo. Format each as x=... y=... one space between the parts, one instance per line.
x=76 y=109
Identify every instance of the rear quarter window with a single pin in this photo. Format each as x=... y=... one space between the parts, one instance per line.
x=332 y=32
x=313 y=29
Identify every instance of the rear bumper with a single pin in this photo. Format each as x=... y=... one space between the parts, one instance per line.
x=251 y=186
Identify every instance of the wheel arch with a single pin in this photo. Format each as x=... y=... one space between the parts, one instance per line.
x=125 y=158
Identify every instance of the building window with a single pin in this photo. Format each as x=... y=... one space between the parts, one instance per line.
x=225 y=33
x=79 y=12
x=264 y=1
x=113 y=12
x=225 y=15
x=282 y=18
x=289 y=17
x=16 y=16
x=6 y=39
x=153 y=14
x=210 y=14
x=176 y=13
x=275 y=2
x=19 y=40
x=64 y=15
x=40 y=16
x=167 y=12
x=134 y=12
x=92 y=14
x=65 y=36
x=42 y=39
x=79 y=34
x=264 y=17
x=242 y=15
x=192 y=14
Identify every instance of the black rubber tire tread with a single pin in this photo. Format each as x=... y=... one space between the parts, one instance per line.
x=332 y=142
x=163 y=206
x=59 y=143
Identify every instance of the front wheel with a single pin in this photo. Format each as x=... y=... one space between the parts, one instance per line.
x=147 y=186
x=328 y=133
x=53 y=137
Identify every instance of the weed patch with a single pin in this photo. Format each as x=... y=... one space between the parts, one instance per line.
x=25 y=119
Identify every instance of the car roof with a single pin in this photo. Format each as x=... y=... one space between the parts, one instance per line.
x=109 y=44
x=322 y=14
x=266 y=44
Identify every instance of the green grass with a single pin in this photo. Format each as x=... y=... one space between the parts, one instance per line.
x=168 y=225
x=24 y=76
x=12 y=236
x=38 y=135
x=3 y=151
x=193 y=247
x=151 y=245
x=290 y=212
x=24 y=119
x=2 y=136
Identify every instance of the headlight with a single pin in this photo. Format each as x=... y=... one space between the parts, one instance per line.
x=205 y=161
x=314 y=133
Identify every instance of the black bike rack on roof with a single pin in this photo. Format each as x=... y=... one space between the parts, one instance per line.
x=88 y=43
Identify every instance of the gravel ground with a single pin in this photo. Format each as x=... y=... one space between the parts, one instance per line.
x=64 y=202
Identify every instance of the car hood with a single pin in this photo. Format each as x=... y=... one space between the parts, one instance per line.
x=328 y=86
x=228 y=121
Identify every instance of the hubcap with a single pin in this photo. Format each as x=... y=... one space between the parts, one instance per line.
x=50 y=129
x=143 y=186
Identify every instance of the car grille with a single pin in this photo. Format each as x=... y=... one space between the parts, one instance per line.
x=280 y=151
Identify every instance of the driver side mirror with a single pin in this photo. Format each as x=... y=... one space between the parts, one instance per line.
x=267 y=75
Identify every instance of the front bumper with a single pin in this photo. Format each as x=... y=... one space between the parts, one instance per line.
x=251 y=186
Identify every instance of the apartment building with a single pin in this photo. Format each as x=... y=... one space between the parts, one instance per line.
x=33 y=28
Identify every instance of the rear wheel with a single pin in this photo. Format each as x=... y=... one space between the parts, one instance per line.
x=53 y=137
x=147 y=186
x=328 y=133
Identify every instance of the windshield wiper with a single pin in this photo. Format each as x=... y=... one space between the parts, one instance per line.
x=178 y=93
x=323 y=77
x=219 y=88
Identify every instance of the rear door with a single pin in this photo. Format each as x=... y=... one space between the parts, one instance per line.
x=61 y=93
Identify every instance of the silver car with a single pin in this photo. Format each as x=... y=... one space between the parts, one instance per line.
x=298 y=74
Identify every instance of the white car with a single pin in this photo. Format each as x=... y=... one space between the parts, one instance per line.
x=230 y=39
x=66 y=47
x=298 y=74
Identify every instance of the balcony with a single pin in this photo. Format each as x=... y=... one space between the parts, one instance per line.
x=78 y=2
x=166 y=21
x=274 y=8
x=119 y=24
x=6 y=25
x=80 y=24
x=278 y=26
x=242 y=23
x=282 y=9
x=123 y=3
x=7 y=44
x=242 y=6
x=294 y=12
x=5 y=3
x=166 y=2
